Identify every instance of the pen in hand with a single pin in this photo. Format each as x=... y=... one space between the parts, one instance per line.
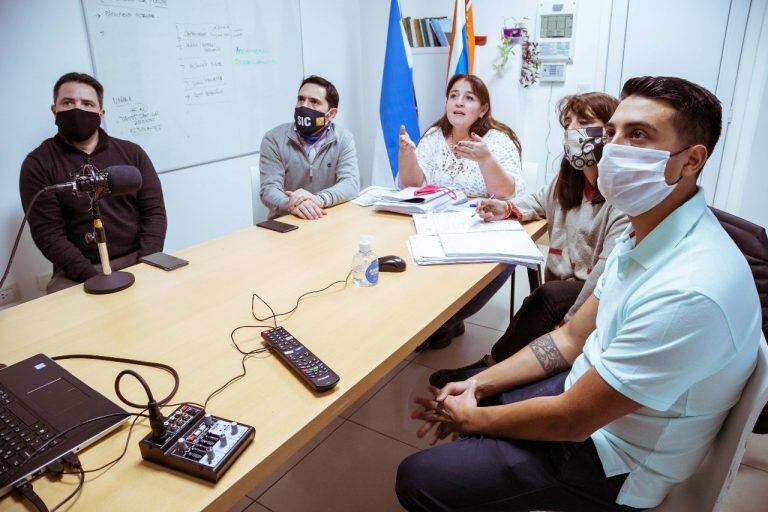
x=492 y=196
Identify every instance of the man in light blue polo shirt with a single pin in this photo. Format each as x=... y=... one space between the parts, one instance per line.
x=657 y=357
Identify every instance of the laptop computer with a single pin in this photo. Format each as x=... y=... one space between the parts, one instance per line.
x=38 y=400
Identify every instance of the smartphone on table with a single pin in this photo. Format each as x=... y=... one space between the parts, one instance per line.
x=276 y=225
x=163 y=261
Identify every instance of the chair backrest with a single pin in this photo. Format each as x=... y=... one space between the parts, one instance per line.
x=751 y=239
x=707 y=488
x=260 y=212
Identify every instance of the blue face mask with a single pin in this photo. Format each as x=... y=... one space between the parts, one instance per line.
x=311 y=124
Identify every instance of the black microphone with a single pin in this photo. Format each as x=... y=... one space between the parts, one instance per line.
x=114 y=180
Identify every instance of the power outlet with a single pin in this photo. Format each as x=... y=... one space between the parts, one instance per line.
x=9 y=294
x=42 y=281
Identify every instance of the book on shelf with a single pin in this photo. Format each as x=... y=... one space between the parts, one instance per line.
x=427 y=32
x=407 y=26
x=419 y=38
x=437 y=30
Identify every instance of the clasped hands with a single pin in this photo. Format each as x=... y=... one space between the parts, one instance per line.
x=450 y=410
x=305 y=204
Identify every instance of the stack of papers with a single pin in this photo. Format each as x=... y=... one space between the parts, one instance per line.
x=407 y=202
x=457 y=237
x=450 y=222
x=370 y=195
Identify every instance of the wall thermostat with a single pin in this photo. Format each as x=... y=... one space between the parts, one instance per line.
x=552 y=72
x=555 y=30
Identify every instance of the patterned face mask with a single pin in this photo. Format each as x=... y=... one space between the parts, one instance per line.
x=583 y=146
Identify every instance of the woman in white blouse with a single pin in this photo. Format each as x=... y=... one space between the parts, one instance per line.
x=466 y=149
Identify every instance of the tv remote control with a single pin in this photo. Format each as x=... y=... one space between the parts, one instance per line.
x=311 y=369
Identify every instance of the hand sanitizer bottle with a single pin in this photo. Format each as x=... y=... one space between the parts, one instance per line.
x=365 y=265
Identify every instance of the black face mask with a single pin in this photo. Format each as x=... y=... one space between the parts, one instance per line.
x=76 y=124
x=309 y=123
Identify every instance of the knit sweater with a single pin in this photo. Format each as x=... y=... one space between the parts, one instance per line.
x=332 y=175
x=580 y=238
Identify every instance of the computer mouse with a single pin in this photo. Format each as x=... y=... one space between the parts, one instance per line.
x=391 y=263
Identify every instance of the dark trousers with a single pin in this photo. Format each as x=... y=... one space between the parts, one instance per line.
x=477 y=302
x=478 y=473
x=540 y=313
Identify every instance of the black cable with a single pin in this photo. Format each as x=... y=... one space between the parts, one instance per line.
x=18 y=469
x=164 y=403
x=150 y=364
x=26 y=491
x=233 y=379
x=125 y=448
x=255 y=351
x=128 y=440
x=274 y=315
x=18 y=236
x=74 y=493
x=141 y=381
x=246 y=354
x=253 y=310
x=73 y=461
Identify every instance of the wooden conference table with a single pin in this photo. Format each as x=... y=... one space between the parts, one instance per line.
x=184 y=318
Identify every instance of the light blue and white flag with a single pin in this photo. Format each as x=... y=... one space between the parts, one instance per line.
x=397 y=105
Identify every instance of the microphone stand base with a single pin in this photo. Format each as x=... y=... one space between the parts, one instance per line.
x=114 y=282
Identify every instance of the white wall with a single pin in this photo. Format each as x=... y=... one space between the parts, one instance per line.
x=332 y=49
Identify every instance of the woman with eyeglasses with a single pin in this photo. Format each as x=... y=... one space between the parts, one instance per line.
x=469 y=151
x=582 y=229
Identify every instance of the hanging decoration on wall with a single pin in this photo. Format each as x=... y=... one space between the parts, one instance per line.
x=531 y=68
x=511 y=36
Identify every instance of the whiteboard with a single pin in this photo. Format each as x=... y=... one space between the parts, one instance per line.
x=195 y=81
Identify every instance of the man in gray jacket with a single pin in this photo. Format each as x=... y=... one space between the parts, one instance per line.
x=310 y=164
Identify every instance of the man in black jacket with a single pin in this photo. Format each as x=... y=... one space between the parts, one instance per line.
x=135 y=223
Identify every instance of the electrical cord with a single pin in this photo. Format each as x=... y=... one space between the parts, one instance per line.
x=161 y=403
x=153 y=407
x=549 y=132
x=21 y=467
x=274 y=315
x=246 y=354
x=150 y=364
x=125 y=449
x=73 y=462
x=18 y=235
x=24 y=488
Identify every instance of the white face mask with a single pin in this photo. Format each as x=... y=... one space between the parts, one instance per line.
x=632 y=178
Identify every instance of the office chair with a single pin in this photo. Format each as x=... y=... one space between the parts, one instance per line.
x=708 y=487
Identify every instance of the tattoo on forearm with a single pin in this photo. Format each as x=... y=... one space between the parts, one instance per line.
x=550 y=358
